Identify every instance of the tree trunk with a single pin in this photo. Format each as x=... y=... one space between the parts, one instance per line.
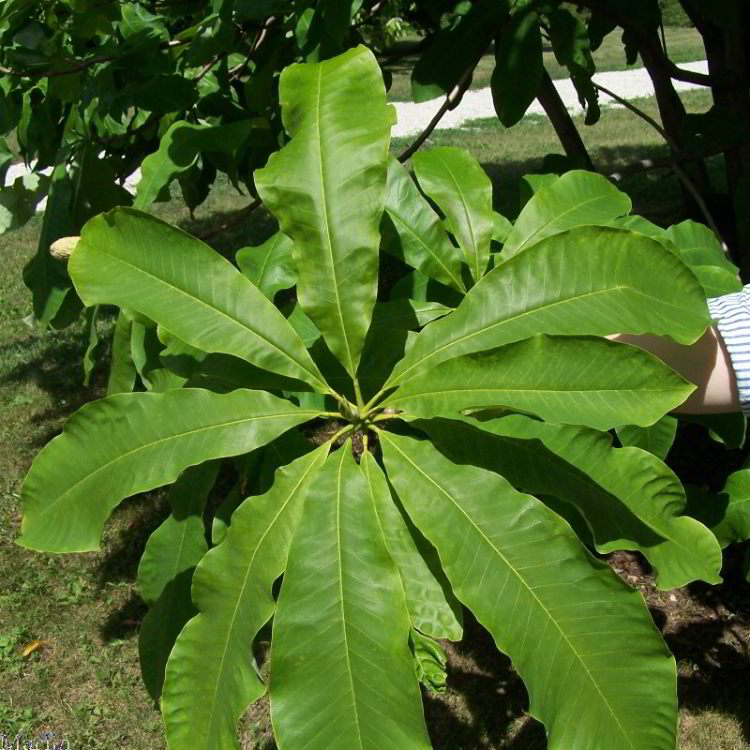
x=563 y=123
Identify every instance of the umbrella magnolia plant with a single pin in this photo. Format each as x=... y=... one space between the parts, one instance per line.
x=444 y=447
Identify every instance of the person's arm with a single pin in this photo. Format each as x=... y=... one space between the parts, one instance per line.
x=706 y=363
x=719 y=363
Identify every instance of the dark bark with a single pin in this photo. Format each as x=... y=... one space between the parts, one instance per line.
x=563 y=123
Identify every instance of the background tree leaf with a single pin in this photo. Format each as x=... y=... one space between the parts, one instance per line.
x=518 y=67
x=179 y=149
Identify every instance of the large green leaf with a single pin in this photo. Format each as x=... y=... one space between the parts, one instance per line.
x=432 y=606
x=210 y=679
x=166 y=570
x=519 y=68
x=597 y=671
x=270 y=266
x=179 y=149
x=342 y=622
x=463 y=192
x=593 y=281
x=628 y=498
x=576 y=199
x=413 y=233
x=136 y=261
x=79 y=477
x=572 y=380
x=326 y=187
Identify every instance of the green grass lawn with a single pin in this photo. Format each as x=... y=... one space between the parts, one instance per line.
x=683 y=44
x=84 y=683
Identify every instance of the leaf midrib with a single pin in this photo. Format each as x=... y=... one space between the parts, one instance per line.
x=523 y=583
x=339 y=560
x=324 y=201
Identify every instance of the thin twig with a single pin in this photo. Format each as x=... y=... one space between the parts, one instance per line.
x=645 y=165
x=208 y=66
x=82 y=65
x=426 y=133
x=238 y=218
x=452 y=100
x=674 y=161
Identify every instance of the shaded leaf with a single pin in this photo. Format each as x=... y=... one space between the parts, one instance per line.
x=657 y=439
x=463 y=192
x=627 y=498
x=518 y=67
x=232 y=589
x=432 y=607
x=412 y=231
x=269 y=266
x=166 y=571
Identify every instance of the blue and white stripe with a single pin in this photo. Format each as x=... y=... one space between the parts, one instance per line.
x=731 y=313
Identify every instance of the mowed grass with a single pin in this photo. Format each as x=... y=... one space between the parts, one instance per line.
x=619 y=139
x=83 y=683
x=683 y=45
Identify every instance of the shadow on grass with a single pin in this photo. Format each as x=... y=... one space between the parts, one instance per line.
x=714 y=652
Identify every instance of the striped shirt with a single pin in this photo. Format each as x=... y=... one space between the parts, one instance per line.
x=731 y=314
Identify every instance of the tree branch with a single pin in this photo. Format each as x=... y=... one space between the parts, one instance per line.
x=674 y=71
x=238 y=218
x=674 y=161
x=452 y=100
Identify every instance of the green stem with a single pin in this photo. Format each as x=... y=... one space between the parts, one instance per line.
x=340 y=434
x=370 y=404
x=358 y=395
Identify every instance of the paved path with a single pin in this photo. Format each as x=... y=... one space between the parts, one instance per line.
x=413 y=118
